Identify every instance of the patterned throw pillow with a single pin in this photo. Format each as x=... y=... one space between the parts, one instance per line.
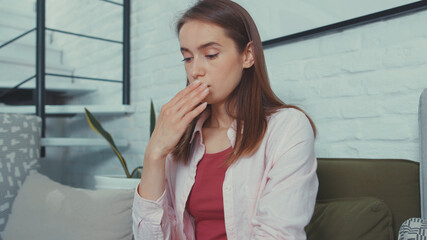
x=413 y=229
x=19 y=154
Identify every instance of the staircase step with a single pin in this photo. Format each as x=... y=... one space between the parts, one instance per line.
x=12 y=16
x=59 y=86
x=20 y=7
x=70 y=109
x=13 y=71
x=52 y=67
x=21 y=50
x=78 y=142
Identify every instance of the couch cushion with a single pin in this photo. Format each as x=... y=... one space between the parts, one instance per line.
x=19 y=153
x=350 y=219
x=45 y=209
x=394 y=181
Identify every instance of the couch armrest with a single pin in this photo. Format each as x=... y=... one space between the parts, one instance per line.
x=422 y=119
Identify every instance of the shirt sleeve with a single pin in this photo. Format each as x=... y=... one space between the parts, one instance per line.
x=287 y=202
x=154 y=220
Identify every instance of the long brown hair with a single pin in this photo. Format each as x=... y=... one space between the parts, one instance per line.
x=254 y=89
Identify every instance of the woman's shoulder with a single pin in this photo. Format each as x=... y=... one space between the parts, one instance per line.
x=289 y=120
x=287 y=114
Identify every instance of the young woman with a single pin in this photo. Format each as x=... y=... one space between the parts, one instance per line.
x=227 y=159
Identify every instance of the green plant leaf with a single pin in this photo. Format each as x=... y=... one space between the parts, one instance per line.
x=97 y=127
x=136 y=173
x=152 y=117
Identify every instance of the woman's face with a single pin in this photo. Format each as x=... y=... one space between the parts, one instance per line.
x=211 y=57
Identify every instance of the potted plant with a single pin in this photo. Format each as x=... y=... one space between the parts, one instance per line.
x=130 y=179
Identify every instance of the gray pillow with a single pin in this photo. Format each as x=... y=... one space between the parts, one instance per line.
x=46 y=210
x=19 y=154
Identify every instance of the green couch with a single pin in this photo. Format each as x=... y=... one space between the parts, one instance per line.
x=364 y=198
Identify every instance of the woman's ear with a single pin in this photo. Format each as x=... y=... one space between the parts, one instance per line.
x=249 y=55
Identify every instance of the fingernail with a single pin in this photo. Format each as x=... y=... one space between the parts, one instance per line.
x=206 y=90
x=196 y=82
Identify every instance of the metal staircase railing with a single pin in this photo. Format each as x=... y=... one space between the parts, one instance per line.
x=40 y=71
x=16 y=38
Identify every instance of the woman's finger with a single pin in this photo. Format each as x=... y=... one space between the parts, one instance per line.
x=194 y=95
x=193 y=114
x=192 y=101
x=193 y=86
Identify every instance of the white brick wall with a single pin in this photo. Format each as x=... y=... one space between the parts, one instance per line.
x=361 y=86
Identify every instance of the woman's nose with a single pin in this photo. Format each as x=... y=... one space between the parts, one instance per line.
x=197 y=68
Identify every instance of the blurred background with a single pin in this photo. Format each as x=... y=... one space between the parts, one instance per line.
x=360 y=83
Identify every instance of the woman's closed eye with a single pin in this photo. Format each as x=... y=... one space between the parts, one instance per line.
x=187 y=59
x=208 y=56
x=212 y=56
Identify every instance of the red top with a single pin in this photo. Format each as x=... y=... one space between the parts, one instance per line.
x=205 y=202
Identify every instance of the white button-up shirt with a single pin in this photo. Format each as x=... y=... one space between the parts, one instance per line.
x=268 y=195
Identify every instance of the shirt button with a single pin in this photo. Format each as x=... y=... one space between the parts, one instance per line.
x=228 y=188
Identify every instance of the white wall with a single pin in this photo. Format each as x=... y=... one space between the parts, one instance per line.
x=276 y=18
x=361 y=86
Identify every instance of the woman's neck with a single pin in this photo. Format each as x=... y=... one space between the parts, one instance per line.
x=219 y=117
